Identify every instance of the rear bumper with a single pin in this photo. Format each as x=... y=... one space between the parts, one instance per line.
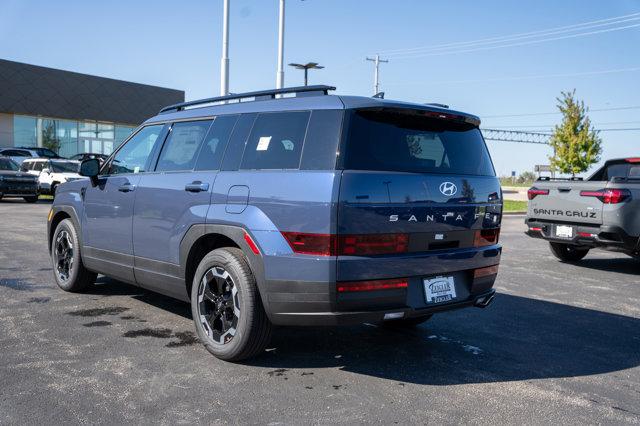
x=358 y=317
x=604 y=236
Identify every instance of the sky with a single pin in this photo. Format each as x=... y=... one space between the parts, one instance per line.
x=438 y=52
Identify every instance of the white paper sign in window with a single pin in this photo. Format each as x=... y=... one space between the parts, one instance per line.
x=263 y=143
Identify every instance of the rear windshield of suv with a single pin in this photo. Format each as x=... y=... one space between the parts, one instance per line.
x=407 y=141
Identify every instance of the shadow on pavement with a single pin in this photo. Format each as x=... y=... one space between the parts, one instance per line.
x=621 y=265
x=516 y=338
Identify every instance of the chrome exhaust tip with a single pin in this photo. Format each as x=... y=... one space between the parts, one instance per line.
x=485 y=301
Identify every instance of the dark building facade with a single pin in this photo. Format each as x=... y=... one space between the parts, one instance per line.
x=76 y=112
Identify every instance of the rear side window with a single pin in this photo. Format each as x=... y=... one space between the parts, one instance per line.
x=182 y=146
x=407 y=141
x=276 y=141
x=215 y=143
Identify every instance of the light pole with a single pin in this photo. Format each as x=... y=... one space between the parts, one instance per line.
x=376 y=80
x=280 y=72
x=306 y=67
x=224 y=61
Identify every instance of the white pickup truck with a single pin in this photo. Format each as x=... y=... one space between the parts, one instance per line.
x=576 y=215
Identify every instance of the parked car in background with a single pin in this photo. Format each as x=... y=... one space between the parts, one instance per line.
x=14 y=183
x=19 y=154
x=88 y=156
x=305 y=210
x=576 y=215
x=51 y=172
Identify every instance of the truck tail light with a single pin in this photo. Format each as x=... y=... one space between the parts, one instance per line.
x=534 y=192
x=352 y=286
x=486 y=237
x=347 y=245
x=609 y=196
x=633 y=160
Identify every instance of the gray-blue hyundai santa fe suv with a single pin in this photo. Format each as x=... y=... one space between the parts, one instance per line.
x=289 y=207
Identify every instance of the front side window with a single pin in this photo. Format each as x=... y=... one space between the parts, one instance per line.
x=64 y=167
x=134 y=155
x=8 y=164
x=181 y=148
x=276 y=141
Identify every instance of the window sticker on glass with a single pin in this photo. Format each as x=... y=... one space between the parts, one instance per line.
x=263 y=143
x=288 y=145
x=136 y=169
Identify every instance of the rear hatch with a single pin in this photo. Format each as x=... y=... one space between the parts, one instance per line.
x=564 y=201
x=413 y=183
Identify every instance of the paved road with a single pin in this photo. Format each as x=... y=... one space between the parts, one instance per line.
x=561 y=344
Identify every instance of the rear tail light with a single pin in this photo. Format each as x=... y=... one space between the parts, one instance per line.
x=486 y=237
x=534 y=192
x=347 y=245
x=608 y=196
x=316 y=244
x=485 y=272
x=353 y=286
x=633 y=160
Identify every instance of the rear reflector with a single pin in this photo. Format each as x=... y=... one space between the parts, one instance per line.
x=485 y=272
x=534 y=192
x=347 y=245
x=608 y=196
x=535 y=229
x=486 y=237
x=367 y=244
x=345 y=287
x=586 y=234
x=251 y=243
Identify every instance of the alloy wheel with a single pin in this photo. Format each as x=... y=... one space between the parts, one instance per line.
x=63 y=255
x=218 y=305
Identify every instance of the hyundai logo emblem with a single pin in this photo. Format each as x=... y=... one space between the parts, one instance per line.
x=448 y=188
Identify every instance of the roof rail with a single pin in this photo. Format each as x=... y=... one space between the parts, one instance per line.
x=259 y=95
x=437 y=105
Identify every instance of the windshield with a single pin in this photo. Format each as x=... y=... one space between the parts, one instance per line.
x=407 y=141
x=44 y=152
x=64 y=167
x=8 y=164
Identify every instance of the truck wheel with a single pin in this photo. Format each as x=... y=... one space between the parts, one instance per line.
x=407 y=322
x=567 y=252
x=68 y=269
x=226 y=306
x=31 y=199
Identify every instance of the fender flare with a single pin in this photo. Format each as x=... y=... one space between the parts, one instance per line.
x=235 y=234
x=71 y=212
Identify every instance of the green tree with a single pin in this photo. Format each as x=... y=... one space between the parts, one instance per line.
x=576 y=144
x=49 y=138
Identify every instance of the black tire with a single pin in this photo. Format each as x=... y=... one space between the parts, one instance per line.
x=407 y=322
x=222 y=283
x=54 y=187
x=68 y=269
x=33 y=199
x=568 y=252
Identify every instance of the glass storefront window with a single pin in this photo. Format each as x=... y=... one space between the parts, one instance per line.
x=25 y=131
x=69 y=137
x=105 y=131
x=122 y=132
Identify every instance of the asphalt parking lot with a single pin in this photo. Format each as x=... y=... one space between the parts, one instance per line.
x=561 y=344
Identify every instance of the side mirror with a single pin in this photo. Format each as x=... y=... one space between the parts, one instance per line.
x=46 y=171
x=90 y=168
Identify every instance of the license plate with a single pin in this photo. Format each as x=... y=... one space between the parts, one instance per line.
x=439 y=289
x=563 y=231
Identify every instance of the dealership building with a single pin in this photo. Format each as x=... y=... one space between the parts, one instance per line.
x=70 y=111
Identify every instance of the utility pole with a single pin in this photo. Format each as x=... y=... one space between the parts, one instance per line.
x=376 y=80
x=280 y=72
x=224 y=62
x=306 y=67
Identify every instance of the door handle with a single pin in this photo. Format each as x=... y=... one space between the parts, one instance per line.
x=127 y=187
x=196 y=186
